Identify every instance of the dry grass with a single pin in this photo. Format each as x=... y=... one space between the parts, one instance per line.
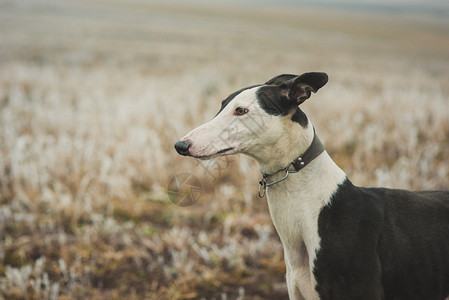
x=94 y=95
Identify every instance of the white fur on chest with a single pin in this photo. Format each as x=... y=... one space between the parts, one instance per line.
x=295 y=205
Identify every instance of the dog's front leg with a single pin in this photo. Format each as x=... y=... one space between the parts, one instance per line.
x=293 y=291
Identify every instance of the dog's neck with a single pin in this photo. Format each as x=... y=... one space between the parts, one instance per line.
x=300 y=198
x=322 y=169
x=288 y=147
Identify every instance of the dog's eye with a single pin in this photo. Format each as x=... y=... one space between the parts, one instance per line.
x=240 y=111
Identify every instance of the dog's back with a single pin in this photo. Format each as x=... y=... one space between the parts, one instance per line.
x=390 y=244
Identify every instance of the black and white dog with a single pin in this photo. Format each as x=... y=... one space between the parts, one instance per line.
x=340 y=241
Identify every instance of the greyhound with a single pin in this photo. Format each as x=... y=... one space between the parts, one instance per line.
x=340 y=241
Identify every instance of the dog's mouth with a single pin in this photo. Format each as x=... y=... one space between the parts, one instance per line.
x=218 y=153
x=225 y=150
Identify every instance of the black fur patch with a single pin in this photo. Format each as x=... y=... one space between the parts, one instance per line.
x=300 y=117
x=383 y=244
x=274 y=102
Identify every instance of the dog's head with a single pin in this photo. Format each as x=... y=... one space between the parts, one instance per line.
x=255 y=119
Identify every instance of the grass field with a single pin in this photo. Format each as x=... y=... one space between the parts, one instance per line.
x=94 y=94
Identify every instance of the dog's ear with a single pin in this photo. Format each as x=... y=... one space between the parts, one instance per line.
x=281 y=79
x=300 y=88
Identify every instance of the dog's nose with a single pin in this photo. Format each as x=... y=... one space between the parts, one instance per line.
x=182 y=147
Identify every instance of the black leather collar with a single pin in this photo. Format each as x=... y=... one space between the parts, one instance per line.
x=315 y=149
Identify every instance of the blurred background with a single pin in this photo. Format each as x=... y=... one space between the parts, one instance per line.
x=94 y=94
